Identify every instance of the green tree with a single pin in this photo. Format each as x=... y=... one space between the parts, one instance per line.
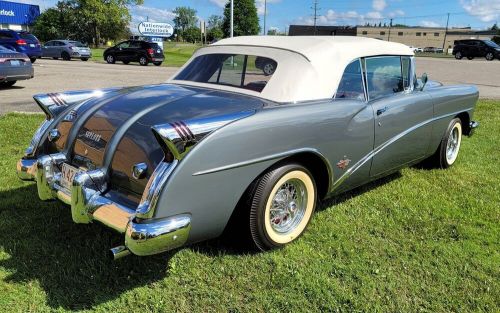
x=246 y=21
x=214 y=25
x=192 y=34
x=185 y=17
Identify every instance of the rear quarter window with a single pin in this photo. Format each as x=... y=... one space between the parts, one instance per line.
x=27 y=36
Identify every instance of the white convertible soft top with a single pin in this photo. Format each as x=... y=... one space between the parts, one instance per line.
x=309 y=67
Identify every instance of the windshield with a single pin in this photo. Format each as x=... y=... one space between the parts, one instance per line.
x=27 y=36
x=77 y=44
x=235 y=70
x=491 y=43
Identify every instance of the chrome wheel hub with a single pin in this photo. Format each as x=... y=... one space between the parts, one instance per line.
x=268 y=69
x=288 y=206
x=452 y=144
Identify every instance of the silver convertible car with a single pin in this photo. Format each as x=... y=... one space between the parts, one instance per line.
x=166 y=165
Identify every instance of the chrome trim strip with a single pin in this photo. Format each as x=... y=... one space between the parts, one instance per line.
x=370 y=155
x=153 y=189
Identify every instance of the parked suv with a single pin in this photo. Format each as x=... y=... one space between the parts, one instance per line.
x=471 y=48
x=21 y=41
x=135 y=51
x=66 y=49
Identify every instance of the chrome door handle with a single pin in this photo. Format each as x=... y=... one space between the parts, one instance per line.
x=380 y=111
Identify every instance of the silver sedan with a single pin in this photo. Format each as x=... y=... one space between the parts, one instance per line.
x=66 y=50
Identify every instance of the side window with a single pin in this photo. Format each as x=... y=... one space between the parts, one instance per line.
x=5 y=35
x=48 y=44
x=230 y=71
x=351 y=84
x=384 y=76
x=123 y=45
x=135 y=44
x=406 y=68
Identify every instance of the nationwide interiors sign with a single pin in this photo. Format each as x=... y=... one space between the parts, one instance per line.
x=156 y=29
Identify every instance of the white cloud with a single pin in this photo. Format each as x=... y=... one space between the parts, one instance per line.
x=429 y=24
x=219 y=3
x=396 y=13
x=347 y=18
x=258 y=3
x=142 y=13
x=379 y=5
x=485 y=10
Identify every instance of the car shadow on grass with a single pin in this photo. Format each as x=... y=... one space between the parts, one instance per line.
x=68 y=261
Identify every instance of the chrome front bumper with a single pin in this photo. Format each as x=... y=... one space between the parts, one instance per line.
x=142 y=236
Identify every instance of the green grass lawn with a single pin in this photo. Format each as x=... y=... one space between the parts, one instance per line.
x=176 y=54
x=421 y=240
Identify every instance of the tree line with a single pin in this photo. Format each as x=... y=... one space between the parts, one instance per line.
x=98 y=21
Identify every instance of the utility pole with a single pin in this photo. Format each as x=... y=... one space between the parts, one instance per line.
x=445 y=33
x=390 y=26
x=315 y=8
x=265 y=15
x=232 y=18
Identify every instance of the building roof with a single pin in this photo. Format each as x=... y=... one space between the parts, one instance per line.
x=308 y=67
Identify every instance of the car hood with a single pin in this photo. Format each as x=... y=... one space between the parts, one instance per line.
x=115 y=129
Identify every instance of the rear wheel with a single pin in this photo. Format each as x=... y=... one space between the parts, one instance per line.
x=110 y=59
x=65 y=56
x=269 y=68
x=157 y=63
x=458 y=55
x=143 y=61
x=33 y=60
x=490 y=56
x=282 y=204
x=84 y=59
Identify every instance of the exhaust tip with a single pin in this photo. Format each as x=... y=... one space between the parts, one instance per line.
x=118 y=252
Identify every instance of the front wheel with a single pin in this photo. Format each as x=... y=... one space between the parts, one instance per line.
x=282 y=205
x=33 y=60
x=143 y=61
x=447 y=153
x=458 y=55
x=490 y=56
x=110 y=59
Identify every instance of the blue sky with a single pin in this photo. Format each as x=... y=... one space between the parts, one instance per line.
x=478 y=14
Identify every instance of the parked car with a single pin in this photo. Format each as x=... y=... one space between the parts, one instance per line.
x=21 y=41
x=14 y=66
x=433 y=50
x=268 y=66
x=471 y=48
x=66 y=50
x=416 y=49
x=135 y=51
x=177 y=163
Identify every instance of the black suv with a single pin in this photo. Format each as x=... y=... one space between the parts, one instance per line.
x=471 y=48
x=135 y=51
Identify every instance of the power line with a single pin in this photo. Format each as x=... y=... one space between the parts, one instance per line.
x=316 y=9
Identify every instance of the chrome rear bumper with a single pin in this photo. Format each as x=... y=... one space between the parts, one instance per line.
x=142 y=236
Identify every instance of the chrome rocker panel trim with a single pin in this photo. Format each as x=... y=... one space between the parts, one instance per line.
x=142 y=236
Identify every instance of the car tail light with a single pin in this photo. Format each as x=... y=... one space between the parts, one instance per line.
x=151 y=51
x=2 y=60
x=21 y=42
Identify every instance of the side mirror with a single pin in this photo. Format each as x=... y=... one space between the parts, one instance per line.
x=421 y=82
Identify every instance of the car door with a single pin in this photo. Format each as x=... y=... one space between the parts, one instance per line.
x=47 y=51
x=58 y=48
x=121 y=51
x=133 y=51
x=402 y=115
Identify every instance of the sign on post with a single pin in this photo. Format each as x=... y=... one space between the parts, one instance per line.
x=156 y=29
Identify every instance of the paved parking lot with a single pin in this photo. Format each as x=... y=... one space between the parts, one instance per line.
x=57 y=76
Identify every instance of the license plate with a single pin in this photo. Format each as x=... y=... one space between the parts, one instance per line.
x=32 y=45
x=68 y=172
x=15 y=63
